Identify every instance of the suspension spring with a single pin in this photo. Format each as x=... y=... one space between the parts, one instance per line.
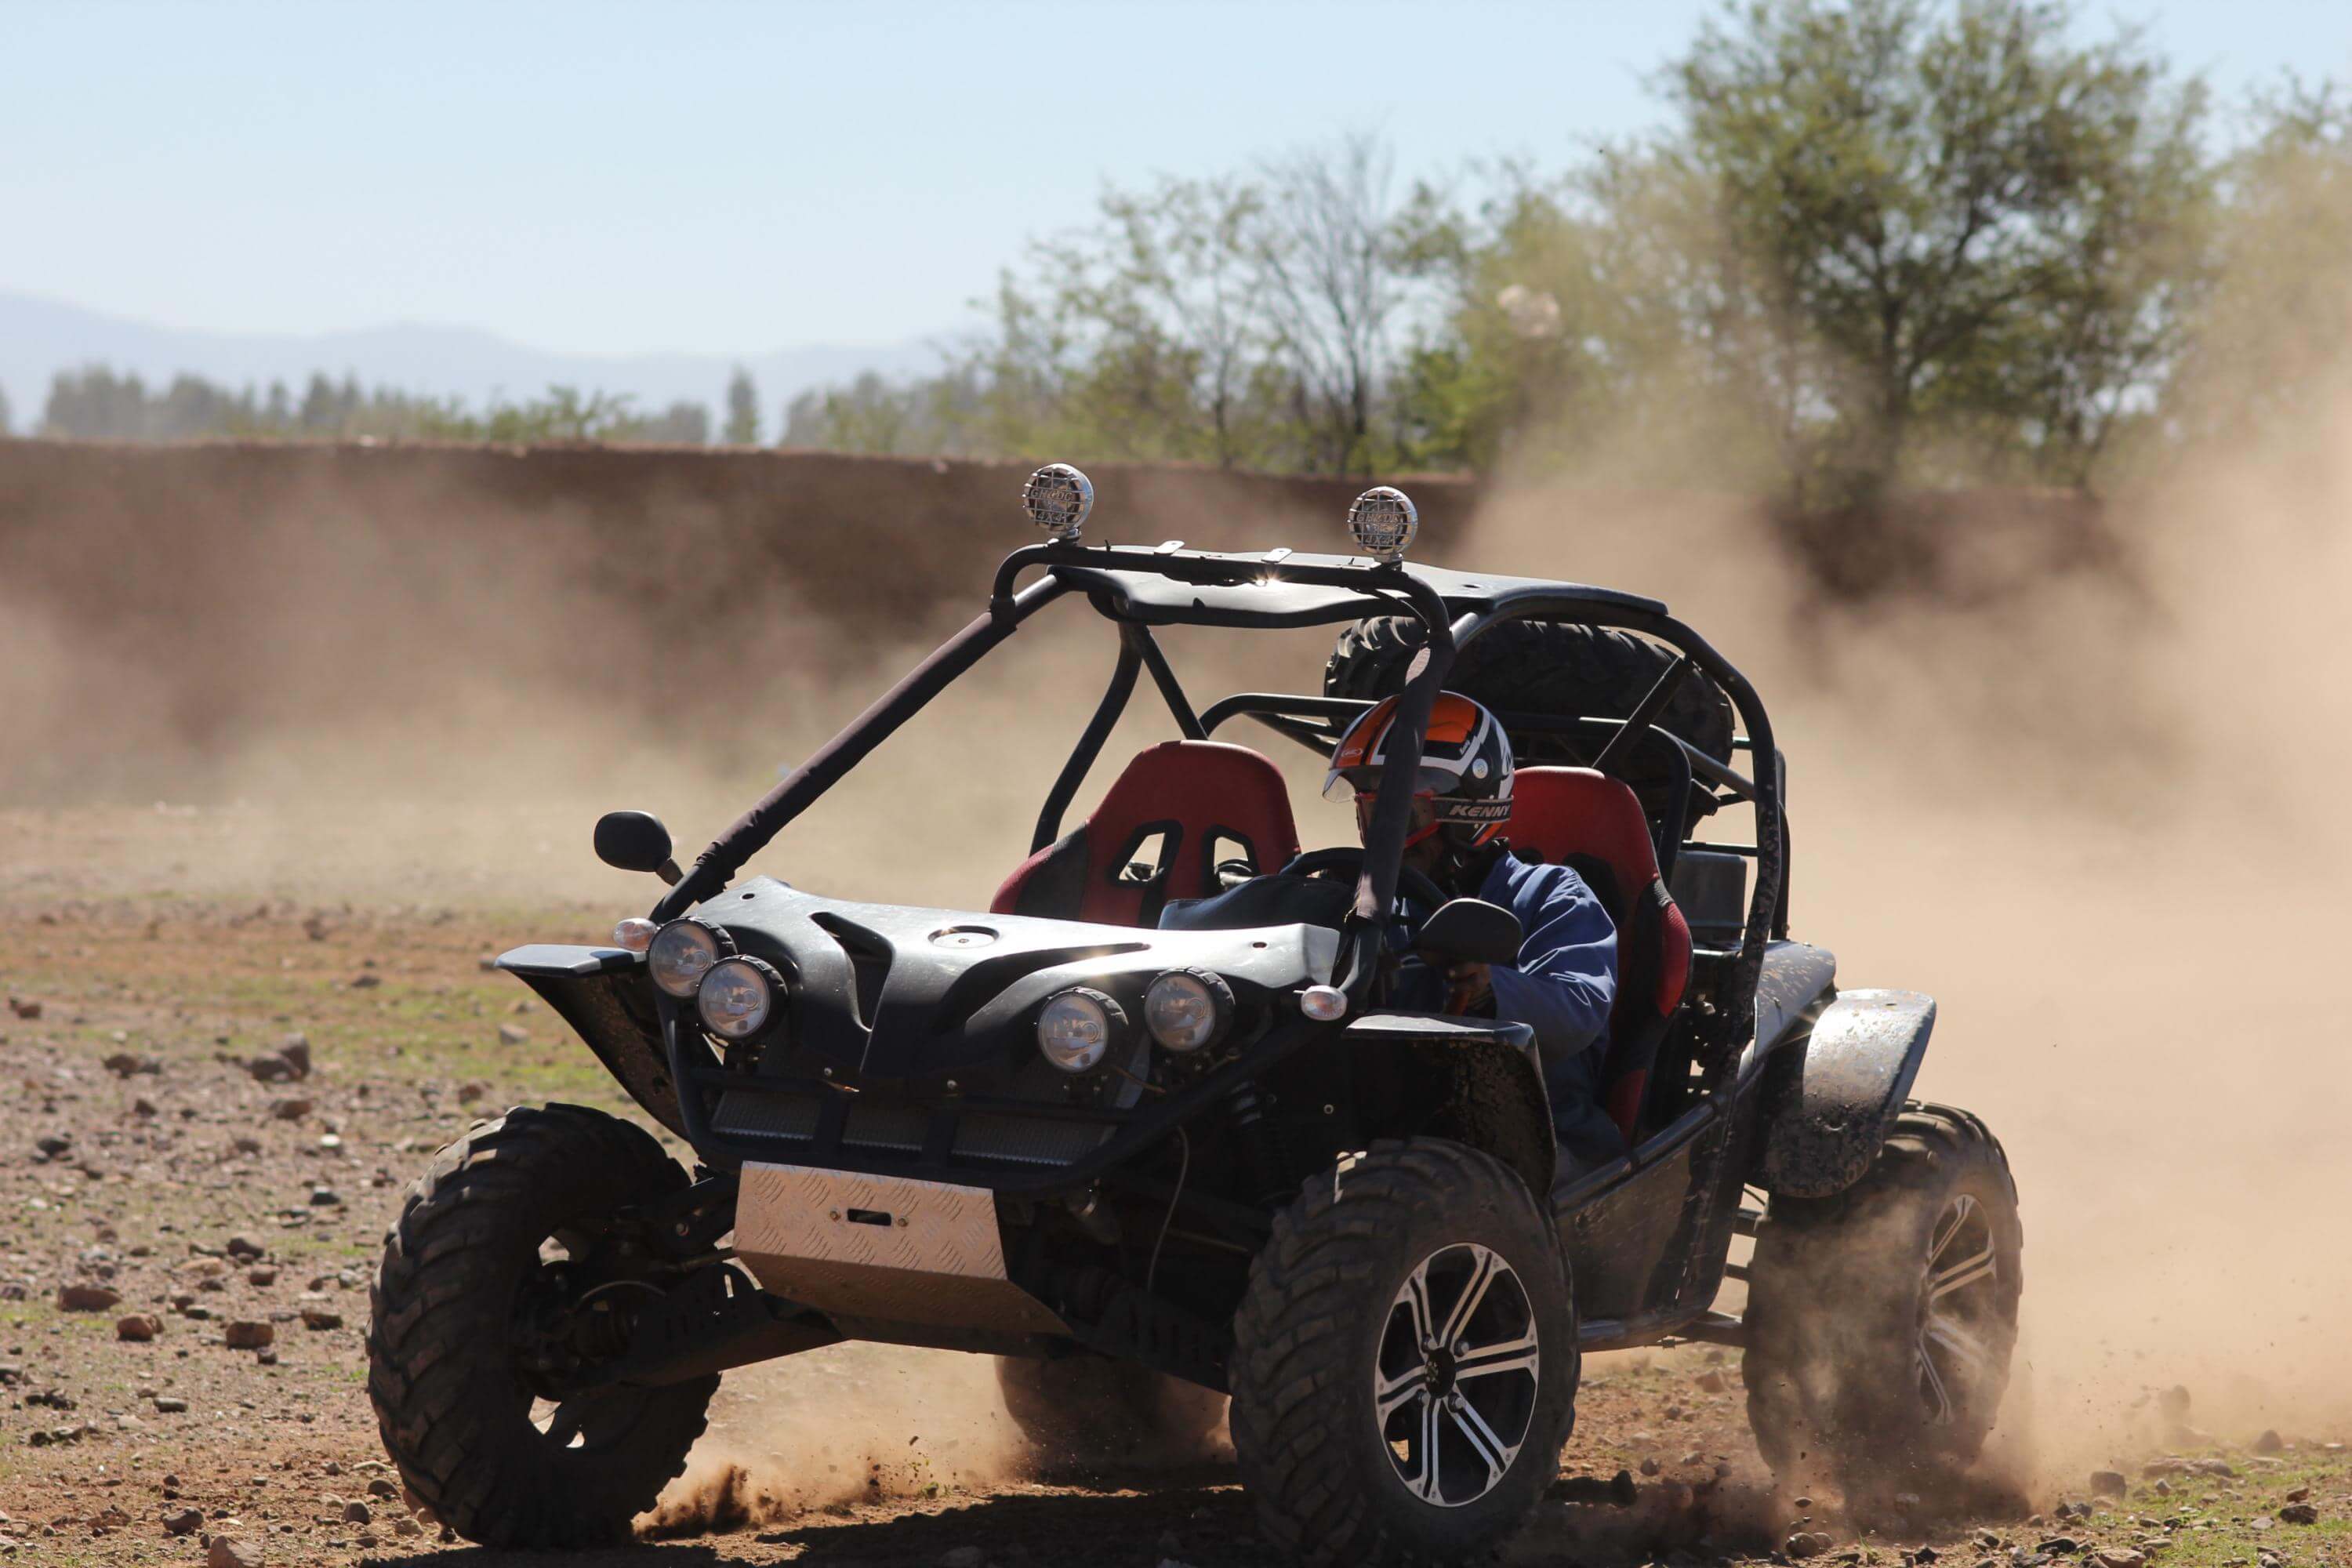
x=1262 y=1146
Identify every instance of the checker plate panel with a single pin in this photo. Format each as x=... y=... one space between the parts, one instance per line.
x=935 y=1257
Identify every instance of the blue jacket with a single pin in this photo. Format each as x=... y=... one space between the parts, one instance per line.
x=1564 y=985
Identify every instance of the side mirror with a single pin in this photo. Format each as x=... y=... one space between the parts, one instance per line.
x=636 y=841
x=1470 y=930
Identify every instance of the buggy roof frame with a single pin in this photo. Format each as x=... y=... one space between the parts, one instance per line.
x=1139 y=588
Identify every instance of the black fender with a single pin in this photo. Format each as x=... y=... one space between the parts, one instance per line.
x=1829 y=1102
x=1471 y=1080
x=604 y=994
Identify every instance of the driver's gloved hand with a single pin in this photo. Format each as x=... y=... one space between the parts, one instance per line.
x=1470 y=991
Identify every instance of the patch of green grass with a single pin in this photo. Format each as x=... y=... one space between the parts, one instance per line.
x=2222 y=1532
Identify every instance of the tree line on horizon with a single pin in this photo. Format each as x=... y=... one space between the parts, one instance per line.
x=95 y=403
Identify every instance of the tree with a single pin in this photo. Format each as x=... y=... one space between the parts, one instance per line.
x=742 y=428
x=1183 y=254
x=2268 y=342
x=319 y=415
x=1951 y=235
x=5 y=427
x=1328 y=252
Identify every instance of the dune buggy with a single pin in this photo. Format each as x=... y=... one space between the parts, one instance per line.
x=1147 y=1130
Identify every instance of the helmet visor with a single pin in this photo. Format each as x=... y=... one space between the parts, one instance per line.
x=1343 y=786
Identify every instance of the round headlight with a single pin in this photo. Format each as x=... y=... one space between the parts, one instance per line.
x=1186 y=1010
x=737 y=998
x=1074 y=1028
x=681 y=955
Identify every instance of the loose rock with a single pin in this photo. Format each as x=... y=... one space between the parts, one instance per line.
x=2108 y=1483
x=184 y=1522
x=2270 y=1442
x=227 y=1551
x=320 y=1318
x=293 y=1110
x=249 y=1336
x=1807 y=1543
x=2299 y=1513
x=139 y=1328
x=357 y=1513
x=87 y=1297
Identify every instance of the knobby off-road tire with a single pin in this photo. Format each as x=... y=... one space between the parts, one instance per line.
x=1563 y=670
x=1326 y=1335
x=1090 y=1408
x=451 y=1404
x=1881 y=1321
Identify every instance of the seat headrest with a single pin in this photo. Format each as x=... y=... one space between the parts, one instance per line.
x=1231 y=788
x=1561 y=812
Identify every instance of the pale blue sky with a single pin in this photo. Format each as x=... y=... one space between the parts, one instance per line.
x=736 y=177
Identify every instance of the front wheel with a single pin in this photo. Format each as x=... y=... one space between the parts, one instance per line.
x=488 y=1245
x=1405 y=1360
x=1882 y=1320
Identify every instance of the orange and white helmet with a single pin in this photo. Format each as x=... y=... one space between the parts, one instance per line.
x=1466 y=762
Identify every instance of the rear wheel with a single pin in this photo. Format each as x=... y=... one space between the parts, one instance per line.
x=485 y=1255
x=1090 y=1407
x=1405 y=1362
x=1882 y=1320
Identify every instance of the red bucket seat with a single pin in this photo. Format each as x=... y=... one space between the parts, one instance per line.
x=1578 y=818
x=1203 y=801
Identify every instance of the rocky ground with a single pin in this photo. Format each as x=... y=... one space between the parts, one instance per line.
x=211 y=1109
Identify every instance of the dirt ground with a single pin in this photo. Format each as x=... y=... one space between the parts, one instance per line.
x=149 y=1170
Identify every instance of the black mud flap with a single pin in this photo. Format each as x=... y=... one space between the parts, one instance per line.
x=1476 y=1082
x=604 y=993
x=1828 y=1103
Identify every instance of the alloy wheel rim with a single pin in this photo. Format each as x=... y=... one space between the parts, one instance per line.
x=1958 y=1302
x=1454 y=1379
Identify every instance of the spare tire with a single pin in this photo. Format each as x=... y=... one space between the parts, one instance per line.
x=1556 y=669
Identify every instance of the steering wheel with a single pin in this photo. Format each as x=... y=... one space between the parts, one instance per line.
x=1350 y=859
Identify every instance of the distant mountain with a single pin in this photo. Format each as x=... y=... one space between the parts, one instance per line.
x=40 y=337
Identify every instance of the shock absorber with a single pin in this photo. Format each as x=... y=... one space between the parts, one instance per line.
x=1262 y=1145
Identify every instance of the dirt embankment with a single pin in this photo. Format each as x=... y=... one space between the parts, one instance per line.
x=178 y=621
x=165 y=607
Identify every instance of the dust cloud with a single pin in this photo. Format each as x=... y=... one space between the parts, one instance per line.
x=2095 y=816
x=848 y=1424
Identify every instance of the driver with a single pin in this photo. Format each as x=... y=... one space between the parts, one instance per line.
x=1565 y=976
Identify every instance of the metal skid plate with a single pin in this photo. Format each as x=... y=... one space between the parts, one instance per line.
x=925 y=1254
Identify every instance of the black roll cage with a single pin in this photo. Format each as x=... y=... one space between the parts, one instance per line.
x=1136 y=587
